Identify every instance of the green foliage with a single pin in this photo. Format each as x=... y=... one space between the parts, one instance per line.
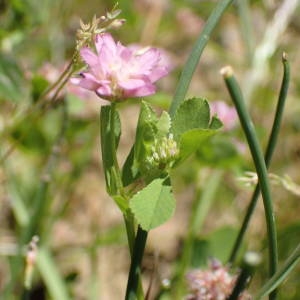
x=39 y=85
x=215 y=123
x=153 y=205
x=32 y=34
x=192 y=140
x=219 y=151
x=108 y=152
x=129 y=173
x=146 y=131
x=30 y=136
x=192 y=125
x=150 y=130
x=12 y=82
x=191 y=114
x=163 y=125
x=217 y=244
x=34 y=133
x=145 y=135
x=51 y=275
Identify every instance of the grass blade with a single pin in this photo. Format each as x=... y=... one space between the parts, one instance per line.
x=192 y=62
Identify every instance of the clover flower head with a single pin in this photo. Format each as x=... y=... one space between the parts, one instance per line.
x=214 y=283
x=116 y=72
x=164 y=152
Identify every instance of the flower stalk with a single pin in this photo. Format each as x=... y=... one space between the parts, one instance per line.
x=134 y=273
x=114 y=185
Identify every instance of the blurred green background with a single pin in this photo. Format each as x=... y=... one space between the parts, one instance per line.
x=52 y=154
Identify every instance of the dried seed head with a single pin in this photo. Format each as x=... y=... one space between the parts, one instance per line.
x=87 y=32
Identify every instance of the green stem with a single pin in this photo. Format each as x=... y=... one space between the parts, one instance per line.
x=128 y=217
x=259 y=163
x=65 y=74
x=134 y=273
x=280 y=275
x=51 y=276
x=192 y=62
x=60 y=87
x=268 y=155
x=250 y=263
x=129 y=224
x=279 y=109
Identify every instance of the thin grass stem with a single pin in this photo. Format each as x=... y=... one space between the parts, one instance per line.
x=249 y=265
x=65 y=74
x=260 y=166
x=268 y=155
x=192 y=62
x=280 y=275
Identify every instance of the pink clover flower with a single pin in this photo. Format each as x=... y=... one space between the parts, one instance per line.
x=116 y=72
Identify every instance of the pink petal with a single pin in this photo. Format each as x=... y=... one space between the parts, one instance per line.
x=88 y=81
x=106 y=57
x=106 y=49
x=124 y=53
x=158 y=73
x=116 y=71
x=89 y=56
x=145 y=90
x=98 y=42
x=150 y=58
x=93 y=61
x=104 y=91
x=75 y=80
x=131 y=84
x=107 y=40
